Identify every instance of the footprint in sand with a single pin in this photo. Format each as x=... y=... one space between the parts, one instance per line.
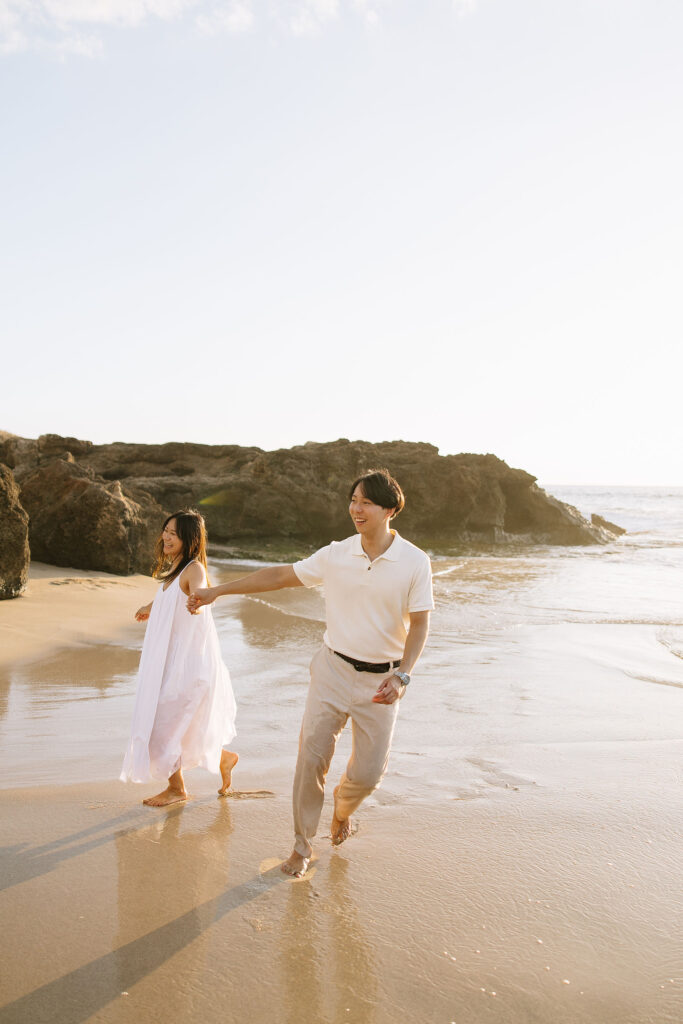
x=77 y=582
x=248 y=794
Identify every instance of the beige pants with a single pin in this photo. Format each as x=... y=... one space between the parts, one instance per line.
x=337 y=693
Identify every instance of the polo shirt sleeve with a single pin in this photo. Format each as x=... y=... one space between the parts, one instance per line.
x=421 y=595
x=311 y=570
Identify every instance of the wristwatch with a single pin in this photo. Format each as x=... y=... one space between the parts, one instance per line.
x=403 y=676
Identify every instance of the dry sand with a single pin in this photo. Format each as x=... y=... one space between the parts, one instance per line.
x=64 y=607
x=550 y=903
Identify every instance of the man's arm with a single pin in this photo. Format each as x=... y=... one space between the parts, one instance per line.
x=392 y=688
x=275 y=577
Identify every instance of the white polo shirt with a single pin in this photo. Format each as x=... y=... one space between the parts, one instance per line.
x=368 y=603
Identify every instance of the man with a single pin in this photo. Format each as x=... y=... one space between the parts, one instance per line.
x=378 y=596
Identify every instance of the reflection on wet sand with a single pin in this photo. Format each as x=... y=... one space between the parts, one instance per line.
x=326 y=963
x=95 y=665
x=5 y=685
x=167 y=874
x=67 y=708
x=25 y=861
x=353 y=959
x=172 y=869
x=302 y=959
x=64 y=675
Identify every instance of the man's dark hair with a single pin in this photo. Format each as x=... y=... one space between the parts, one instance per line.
x=379 y=486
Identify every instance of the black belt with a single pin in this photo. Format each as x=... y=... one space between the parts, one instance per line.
x=368 y=666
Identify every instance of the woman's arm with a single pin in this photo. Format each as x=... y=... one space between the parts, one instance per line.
x=142 y=614
x=275 y=577
x=191 y=578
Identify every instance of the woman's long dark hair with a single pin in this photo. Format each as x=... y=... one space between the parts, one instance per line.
x=191 y=530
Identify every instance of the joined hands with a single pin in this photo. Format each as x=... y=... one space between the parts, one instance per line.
x=198 y=598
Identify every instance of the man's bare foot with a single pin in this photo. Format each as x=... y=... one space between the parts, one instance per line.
x=228 y=762
x=295 y=865
x=340 y=829
x=169 y=796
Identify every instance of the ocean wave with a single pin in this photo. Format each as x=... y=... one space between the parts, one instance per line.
x=673 y=644
x=236 y=563
x=654 y=679
x=452 y=568
x=298 y=614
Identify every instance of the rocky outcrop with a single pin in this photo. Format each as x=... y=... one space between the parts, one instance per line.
x=14 y=549
x=300 y=494
x=80 y=520
x=605 y=524
x=277 y=502
x=23 y=453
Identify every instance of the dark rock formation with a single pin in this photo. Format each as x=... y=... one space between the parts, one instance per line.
x=78 y=520
x=14 y=550
x=279 y=502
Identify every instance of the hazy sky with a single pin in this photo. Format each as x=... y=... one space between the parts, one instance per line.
x=271 y=222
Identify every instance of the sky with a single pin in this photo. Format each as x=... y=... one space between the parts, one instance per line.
x=266 y=223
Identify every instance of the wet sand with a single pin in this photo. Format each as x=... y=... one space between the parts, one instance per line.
x=530 y=909
x=521 y=863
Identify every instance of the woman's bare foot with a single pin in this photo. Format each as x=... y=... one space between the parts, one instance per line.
x=228 y=762
x=340 y=829
x=169 y=796
x=174 y=794
x=295 y=865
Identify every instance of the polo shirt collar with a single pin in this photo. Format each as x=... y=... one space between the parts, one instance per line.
x=391 y=554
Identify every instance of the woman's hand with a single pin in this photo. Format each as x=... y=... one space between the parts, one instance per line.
x=198 y=598
x=142 y=614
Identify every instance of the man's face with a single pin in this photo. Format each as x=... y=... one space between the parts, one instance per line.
x=367 y=517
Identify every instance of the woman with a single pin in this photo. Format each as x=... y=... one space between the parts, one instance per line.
x=184 y=709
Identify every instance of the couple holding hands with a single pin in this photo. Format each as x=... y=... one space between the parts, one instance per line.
x=378 y=597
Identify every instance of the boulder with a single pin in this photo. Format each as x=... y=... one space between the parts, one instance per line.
x=14 y=549
x=79 y=520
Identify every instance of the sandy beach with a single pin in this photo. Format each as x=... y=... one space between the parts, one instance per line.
x=520 y=863
x=62 y=608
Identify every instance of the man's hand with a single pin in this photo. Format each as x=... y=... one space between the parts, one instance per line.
x=391 y=689
x=198 y=598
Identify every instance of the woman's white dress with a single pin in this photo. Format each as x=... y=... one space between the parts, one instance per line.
x=184 y=707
